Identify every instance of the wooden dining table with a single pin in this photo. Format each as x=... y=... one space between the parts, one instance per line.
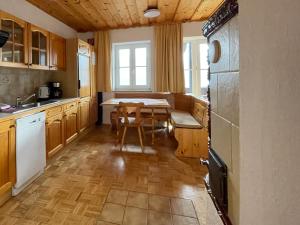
x=149 y=103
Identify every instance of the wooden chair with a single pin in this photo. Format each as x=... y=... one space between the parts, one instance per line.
x=125 y=119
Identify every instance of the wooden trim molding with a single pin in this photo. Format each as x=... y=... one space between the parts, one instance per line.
x=228 y=10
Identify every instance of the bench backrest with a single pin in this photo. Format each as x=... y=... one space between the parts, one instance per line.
x=200 y=113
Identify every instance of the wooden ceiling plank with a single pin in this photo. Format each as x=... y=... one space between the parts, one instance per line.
x=186 y=10
x=114 y=12
x=141 y=6
x=99 y=21
x=167 y=8
x=74 y=12
x=57 y=12
x=131 y=7
x=176 y=9
x=103 y=10
x=79 y=11
x=122 y=12
x=206 y=9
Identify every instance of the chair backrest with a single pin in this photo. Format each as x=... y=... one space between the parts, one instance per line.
x=127 y=109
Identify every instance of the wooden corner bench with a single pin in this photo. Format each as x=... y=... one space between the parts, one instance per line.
x=190 y=130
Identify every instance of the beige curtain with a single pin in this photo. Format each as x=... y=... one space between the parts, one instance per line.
x=103 y=57
x=169 y=75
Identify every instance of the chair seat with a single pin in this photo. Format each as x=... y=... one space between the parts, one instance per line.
x=184 y=120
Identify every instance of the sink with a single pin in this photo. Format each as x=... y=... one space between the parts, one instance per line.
x=29 y=106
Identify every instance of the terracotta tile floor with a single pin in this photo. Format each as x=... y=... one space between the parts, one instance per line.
x=91 y=182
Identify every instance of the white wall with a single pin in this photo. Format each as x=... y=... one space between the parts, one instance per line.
x=269 y=112
x=28 y=12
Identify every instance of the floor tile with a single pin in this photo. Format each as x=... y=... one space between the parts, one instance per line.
x=156 y=218
x=183 y=207
x=182 y=220
x=136 y=199
x=112 y=213
x=159 y=203
x=135 y=216
x=117 y=196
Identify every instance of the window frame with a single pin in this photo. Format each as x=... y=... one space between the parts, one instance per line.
x=132 y=67
x=195 y=80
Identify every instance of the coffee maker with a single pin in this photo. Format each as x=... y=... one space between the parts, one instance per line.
x=55 y=90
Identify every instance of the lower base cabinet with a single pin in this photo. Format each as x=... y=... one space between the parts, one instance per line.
x=192 y=142
x=71 y=124
x=55 y=134
x=7 y=156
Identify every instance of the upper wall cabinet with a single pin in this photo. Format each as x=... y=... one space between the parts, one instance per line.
x=39 y=40
x=57 y=52
x=15 y=52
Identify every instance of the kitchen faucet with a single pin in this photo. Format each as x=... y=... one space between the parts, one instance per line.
x=19 y=100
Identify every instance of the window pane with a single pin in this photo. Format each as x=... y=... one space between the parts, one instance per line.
x=19 y=54
x=7 y=25
x=7 y=52
x=124 y=57
x=43 y=58
x=124 y=76
x=140 y=57
x=204 y=78
x=141 y=75
x=187 y=78
x=187 y=56
x=19 y=34
x=43 y=41
x=203 y=56
x=35 y=39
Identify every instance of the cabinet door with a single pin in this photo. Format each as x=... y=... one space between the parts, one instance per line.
x=57 y=52
x=38 y=47
x=7 y=156
x=55 y=134
x=71 y=125
x=15 y=52
x=93 y=110
x=84 y=108
x=200 y=143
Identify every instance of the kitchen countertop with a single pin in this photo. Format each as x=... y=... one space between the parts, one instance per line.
x=25 y=112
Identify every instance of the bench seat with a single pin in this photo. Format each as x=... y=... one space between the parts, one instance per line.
x=182 y=119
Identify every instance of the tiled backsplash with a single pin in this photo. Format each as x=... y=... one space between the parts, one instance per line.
x=20 y=82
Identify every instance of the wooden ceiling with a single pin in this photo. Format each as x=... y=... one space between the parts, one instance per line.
x=91 y=15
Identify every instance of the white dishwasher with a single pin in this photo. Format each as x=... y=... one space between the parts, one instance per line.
x=30 y=150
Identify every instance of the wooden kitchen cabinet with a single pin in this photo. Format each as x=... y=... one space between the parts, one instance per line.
x=7 y=156
x=71 y=124
x=84 y=113
x=38 y=47
x=15 y=52
x=93 y=110
x=57 y=52
x=54 y=134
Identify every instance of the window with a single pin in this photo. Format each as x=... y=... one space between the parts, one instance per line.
x=195 y=66
x=131 y=66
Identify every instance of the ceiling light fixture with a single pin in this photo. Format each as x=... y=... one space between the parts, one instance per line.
x=151 y=13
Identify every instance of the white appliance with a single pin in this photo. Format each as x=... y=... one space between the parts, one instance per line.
x=30 y=150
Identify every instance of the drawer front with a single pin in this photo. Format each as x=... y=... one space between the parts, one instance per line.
x=54 y=111
x=70 y=106
x=56 y=117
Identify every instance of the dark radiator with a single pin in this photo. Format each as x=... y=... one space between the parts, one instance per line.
x=218 y=180
x=100 y=108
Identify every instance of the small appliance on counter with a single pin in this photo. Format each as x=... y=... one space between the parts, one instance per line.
x=55 y=90
x=43 y=93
